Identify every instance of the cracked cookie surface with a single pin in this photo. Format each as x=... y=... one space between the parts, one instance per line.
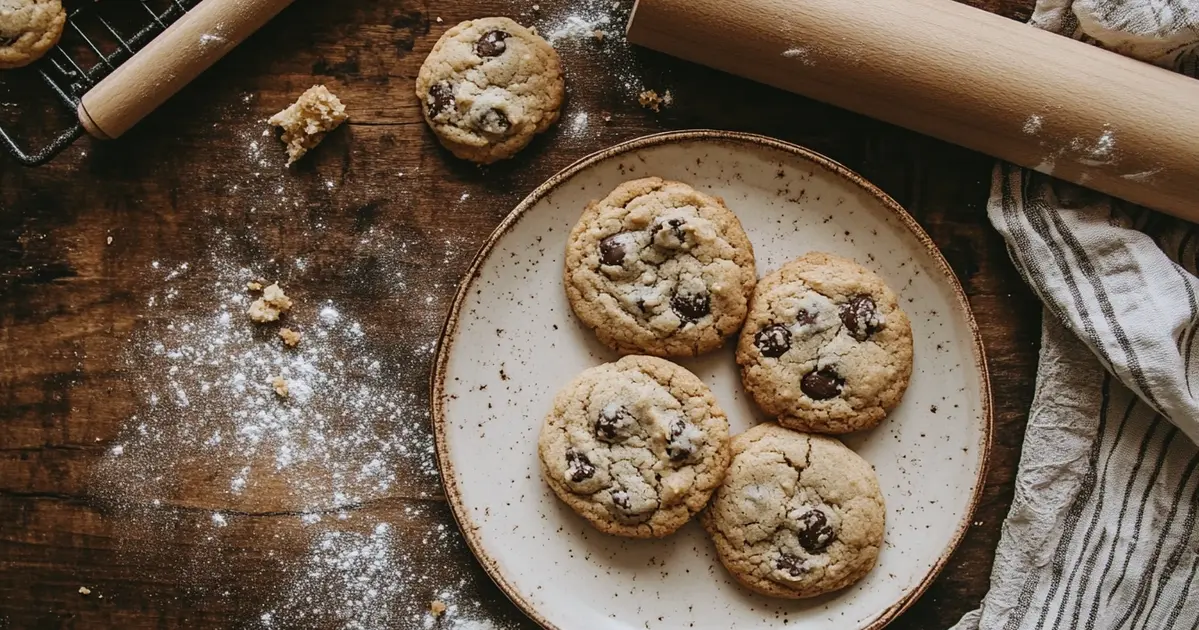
x=28 y=28
x=636 y=447
x=798 y=515
x=488 y=87
x=659 y=268
x=825 y=347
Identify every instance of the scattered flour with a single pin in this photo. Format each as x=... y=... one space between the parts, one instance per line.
x=1032 y=126
x=800 y=54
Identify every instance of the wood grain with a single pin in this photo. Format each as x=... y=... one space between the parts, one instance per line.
x=70 y=302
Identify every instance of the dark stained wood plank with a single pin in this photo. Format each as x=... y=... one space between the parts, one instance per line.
x=70 y=302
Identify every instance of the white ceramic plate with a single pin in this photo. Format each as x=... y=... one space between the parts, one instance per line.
x=511 y=342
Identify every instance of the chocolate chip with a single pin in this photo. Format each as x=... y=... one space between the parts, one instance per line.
x=678 y=450
x=441 y=99
x=675 y=226
x=793 y=565
x=803 y=318
x=621 y=499
x=495 y=122
x=822 y=384
x=4 y=41
x=773 y=341
x=612 y=250
x=578 y=467
x=492 y=44
x=815 y=534
x=691 y=308
x=860 y=317
x=610 y=421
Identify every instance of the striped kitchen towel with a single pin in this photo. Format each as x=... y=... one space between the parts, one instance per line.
x=1102 y=531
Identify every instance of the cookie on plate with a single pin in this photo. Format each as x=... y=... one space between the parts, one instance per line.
x=636 y=447
x=488 y=87
x=826 y=347
x=28 y=28
x=659 y=268
x=798 y=515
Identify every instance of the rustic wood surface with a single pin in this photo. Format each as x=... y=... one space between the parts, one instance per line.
x=70 y=300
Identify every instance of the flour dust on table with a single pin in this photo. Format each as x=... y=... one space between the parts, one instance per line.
x=214 y=450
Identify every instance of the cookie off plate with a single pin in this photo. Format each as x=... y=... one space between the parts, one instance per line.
x=511 y=342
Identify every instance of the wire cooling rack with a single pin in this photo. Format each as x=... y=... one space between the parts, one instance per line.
x=99 y=36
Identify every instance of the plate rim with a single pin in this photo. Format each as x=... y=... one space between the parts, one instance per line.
x=437 y=377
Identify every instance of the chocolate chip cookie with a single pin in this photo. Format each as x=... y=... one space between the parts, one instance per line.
x=636 y=447
x=659 y=268
x=826 y=347
x=28 y=28
x=488 y=87
x=798 y=515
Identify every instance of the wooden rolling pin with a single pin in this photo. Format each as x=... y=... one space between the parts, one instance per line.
x=963 y=75
x=169 y=62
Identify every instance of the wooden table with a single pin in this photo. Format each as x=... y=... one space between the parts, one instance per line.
x=71 y=300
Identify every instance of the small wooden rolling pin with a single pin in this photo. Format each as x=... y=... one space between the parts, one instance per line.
x=963 y=75
x=169 y=62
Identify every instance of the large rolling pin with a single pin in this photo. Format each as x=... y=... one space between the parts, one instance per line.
x=169 y=62
x=963 y=75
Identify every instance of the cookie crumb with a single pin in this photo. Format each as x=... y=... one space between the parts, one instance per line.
x=280 y=386
x=83 y=590
x=537 y=7
x=290 y=337
x=599 y=35
x=606 y=116
x=270 y=306
x=668 y=99
x=439 y=19
x=437 y=607
x=650 y=99
x=306 y=122
x=254 y=286
x=108 y=241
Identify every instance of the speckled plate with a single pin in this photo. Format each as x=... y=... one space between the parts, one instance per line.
x=510 y=342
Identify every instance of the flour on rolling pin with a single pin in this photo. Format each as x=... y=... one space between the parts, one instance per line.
x=963 y=75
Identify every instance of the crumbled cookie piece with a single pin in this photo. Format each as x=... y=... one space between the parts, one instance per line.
x=306 y=122
x=280 y=386
x=270 y=306
x=254 y=286
x=650 y=99
x=290 y=337
x=83 y=590
x=437 y=607
x=598 y=35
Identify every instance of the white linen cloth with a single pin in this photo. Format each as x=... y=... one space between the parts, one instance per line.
x=1102 y=531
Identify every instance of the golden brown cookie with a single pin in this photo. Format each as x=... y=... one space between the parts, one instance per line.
x=488 y=87
x=659 y=268
x=798 y=515
x=29 y=28
x=636 y=447
x=826 y=347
